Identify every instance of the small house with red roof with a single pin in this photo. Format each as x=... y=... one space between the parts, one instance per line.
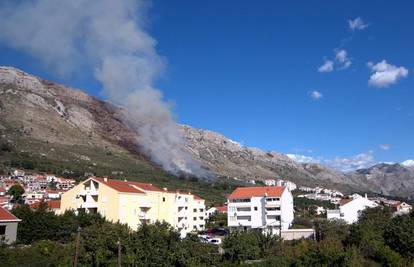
x=8 y=226
x=267 y=207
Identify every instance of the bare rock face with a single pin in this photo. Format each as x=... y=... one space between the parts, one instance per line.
x=228 y=158
x=388 y=179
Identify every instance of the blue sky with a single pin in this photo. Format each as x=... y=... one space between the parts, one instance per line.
x=251 y=72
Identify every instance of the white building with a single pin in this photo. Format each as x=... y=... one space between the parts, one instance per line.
x=290 y=185
x=350 y=209
x=269 y=208
x=270 y=182
x=402 y=208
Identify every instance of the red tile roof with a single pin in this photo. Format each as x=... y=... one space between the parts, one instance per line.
x=2 y=190
x=197 y=197
x=146 y=187
x=5 y=215
x=119 y=185
x=259 y=191
x=222 y=209
x=52 y=204
x=344 y=201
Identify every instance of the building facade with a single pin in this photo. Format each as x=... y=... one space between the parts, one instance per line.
x=134 y=204
x=8 y=226
x=350 y=209
x=269 y=208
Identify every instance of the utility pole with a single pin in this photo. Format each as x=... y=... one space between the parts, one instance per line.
x=75 y=260
x=119 y=252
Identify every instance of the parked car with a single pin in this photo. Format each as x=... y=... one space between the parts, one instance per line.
x=216 y=241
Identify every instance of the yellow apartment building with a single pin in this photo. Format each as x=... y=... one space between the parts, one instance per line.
x=135 y=203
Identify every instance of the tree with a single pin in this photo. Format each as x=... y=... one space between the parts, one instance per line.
x=16 y=191
x=240 y=246
x=400 y=235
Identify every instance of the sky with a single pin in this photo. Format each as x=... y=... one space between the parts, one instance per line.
x=323 y=81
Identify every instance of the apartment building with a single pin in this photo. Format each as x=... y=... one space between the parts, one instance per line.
x=135 y=203
x=269 y=208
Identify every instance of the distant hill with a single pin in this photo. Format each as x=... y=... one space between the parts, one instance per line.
x=47 y=126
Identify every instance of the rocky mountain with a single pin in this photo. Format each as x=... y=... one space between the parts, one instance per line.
x=388 y=179
x=48 y=126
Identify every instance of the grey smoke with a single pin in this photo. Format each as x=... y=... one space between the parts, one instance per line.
x=109 y=38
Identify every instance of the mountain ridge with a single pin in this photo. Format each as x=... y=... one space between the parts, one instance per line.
x=42 y=113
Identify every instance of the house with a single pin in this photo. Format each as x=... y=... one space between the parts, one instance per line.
x=18 y=173
x=402 y=208
x=319 y=210
x=269 y=208
x=2 y=192
x=135 y=203
x=290 y=185
x=270 y=182
x=211 y=211
x=8 y=226
x=53 y=205
x=53 y=194
x=222 y=209
x=350 y=209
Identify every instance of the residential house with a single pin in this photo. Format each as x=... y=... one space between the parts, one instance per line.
x=8 y=226
x=402 y=208
x=269 y=208
x=134 y=204
x=270 y=182
x=350 y=209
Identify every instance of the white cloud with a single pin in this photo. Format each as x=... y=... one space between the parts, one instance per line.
x=357 y=24
x=360 y=161
x=408 y=163
x=343 y=164
x=328 y=66
x=315 y=95
x=342 y=59
x=341 y=62
x=302 y=158
x=384 y=74
x=385 y=147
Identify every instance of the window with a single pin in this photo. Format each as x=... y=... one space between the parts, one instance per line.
x=201 y=210
x=194 y=210
x=194 y=218
x=232 y=218
x=239 y=200
x=273 y=208
x=2 y=229
x=273 y=217
x=244 y=218
x=243 y=209
x=163 y=199
x=232 y=209
x=255 y=208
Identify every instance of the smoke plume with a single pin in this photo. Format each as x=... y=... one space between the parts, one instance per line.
x=109 y=39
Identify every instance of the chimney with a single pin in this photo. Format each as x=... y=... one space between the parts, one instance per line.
x=366 y=196
x=125 y=180
x=165 y=189
x=105 y=179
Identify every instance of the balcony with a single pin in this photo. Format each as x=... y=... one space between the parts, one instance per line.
x=88 y=205
x=143 y=216
x=145 y=204
x=273 y=212
x=88 y=192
